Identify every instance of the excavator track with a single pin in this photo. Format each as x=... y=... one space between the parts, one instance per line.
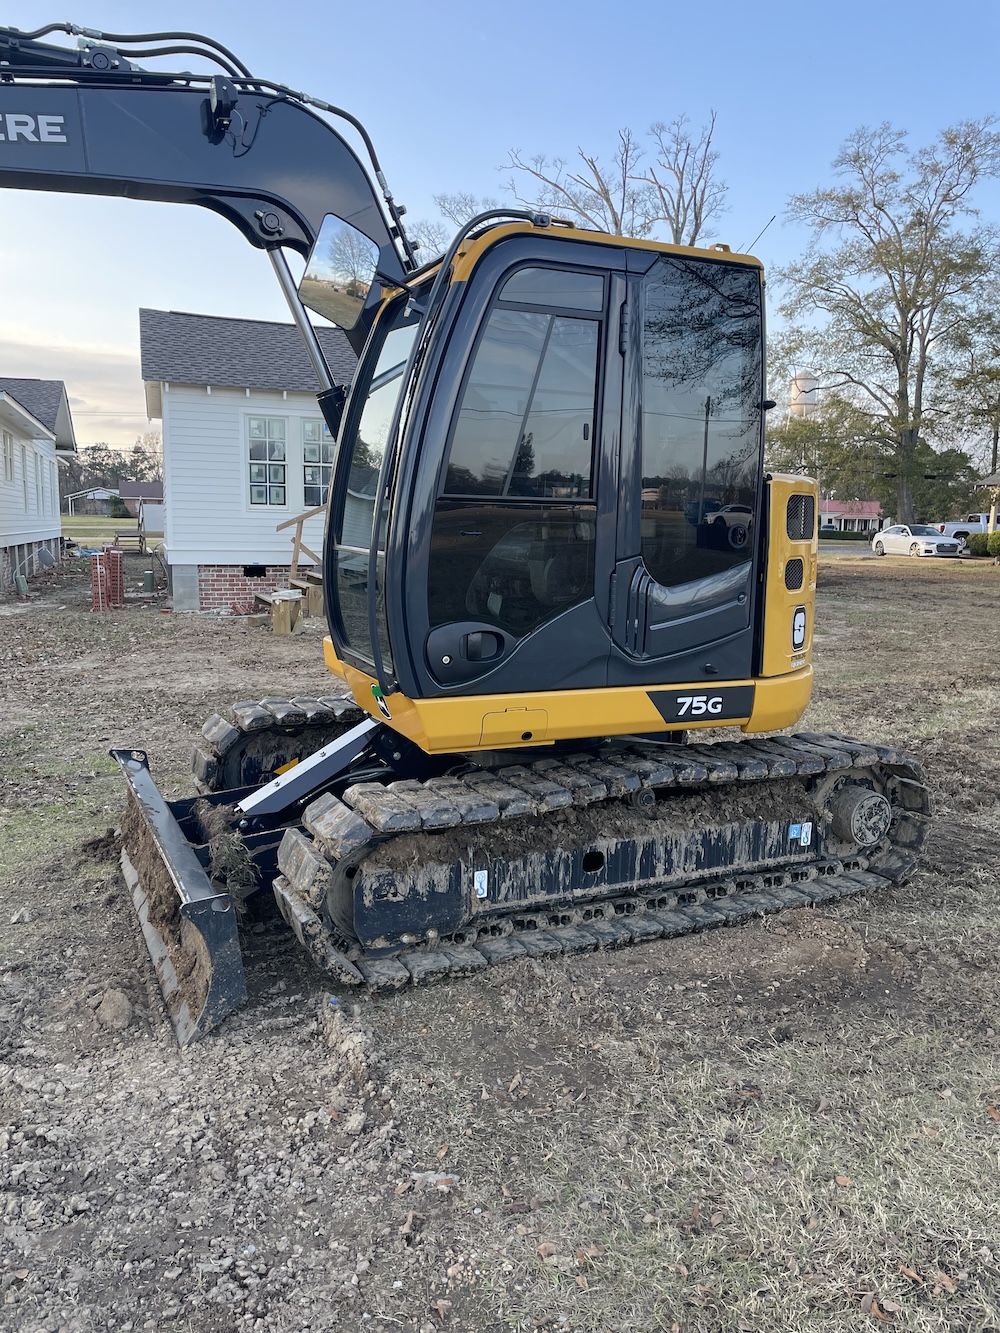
x=260 y=737
x=398 y=884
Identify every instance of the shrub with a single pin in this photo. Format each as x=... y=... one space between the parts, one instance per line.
x=976 y=542
x=993 y=543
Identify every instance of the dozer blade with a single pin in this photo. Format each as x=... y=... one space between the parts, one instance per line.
x=188 y=925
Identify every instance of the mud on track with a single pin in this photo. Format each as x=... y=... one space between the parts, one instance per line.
x=787 y=1125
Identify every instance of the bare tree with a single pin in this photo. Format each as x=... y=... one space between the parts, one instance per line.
x=682 y=180
x=459 y=208
x=353 y=257
x=606 y=199
x=679 y=191
x=146 y=457
x=896 y=285
x=429 y=238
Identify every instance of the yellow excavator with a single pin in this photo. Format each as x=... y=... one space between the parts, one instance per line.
x=554 y=566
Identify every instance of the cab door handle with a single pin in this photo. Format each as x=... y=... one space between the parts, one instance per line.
x=466 y=649
x=482 y=645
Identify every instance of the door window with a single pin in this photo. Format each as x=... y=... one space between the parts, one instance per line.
x=701 y=436
x=513 y=536
x=365 y=449
x=525 y=422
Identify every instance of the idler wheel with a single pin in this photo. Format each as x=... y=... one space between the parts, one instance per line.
x=860 y=815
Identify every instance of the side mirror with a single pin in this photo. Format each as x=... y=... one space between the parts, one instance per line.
x=340 y=271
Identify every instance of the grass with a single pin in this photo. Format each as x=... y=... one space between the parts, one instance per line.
x=778 y=1184
x=793 y=1125
x=94 y=529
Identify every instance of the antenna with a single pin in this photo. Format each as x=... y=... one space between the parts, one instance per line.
x=747 y=248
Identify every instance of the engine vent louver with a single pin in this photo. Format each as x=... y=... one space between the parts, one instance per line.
x=793 y=575
x=800 y=518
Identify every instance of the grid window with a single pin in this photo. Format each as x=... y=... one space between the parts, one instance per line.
x=317 y=462
x=267 y=460
x=39 y=497
x=7 y=456
x=24 y=476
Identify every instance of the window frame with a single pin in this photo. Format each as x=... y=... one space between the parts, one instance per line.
x=256 y=506
x=325 y=441
x=7 y=448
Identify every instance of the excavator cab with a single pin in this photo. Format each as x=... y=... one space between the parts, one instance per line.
x=549 y=478
x=502 y=527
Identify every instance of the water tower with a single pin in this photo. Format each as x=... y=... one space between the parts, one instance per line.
x=804 y=396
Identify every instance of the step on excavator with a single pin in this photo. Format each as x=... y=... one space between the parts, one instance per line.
x=554 y=568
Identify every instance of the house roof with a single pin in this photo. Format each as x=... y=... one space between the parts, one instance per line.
x=992 y=480
x=144 y=490
x=181 y=348
x=47 y=402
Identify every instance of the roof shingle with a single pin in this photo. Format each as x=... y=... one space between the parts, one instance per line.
x=48 y=402
x=42 y=398
x=181 y=348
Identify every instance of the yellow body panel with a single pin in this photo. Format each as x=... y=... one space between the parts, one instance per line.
x=472 y=250
x=780 y=655
x=485 y=722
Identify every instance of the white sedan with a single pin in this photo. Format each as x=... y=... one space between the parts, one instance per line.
x=914 y=539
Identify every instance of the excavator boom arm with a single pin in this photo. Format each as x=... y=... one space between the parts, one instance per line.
x=91 y=122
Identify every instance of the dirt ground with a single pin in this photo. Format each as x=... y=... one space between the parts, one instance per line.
x=789 y=1125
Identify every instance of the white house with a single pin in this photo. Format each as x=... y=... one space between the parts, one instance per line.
x=35 y=429
x=244 y=448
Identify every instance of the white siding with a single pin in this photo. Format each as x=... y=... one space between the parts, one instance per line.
x=209 y=519
x=29 y=504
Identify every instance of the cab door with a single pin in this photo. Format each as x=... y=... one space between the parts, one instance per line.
x=691 y=472
x=512 y=528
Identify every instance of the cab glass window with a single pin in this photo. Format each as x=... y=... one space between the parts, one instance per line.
x=513 y=536
x=701 y=409
x=365 y=449
x=526 y=419
x=555 y=287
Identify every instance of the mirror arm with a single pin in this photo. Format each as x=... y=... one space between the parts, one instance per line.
x=280 y=265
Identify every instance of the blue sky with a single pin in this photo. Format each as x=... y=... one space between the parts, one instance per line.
x=446 y=90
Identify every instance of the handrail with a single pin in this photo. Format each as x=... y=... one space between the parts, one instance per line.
x=298 y=545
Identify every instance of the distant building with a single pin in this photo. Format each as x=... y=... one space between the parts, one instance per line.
x=244 y=448
x=850 y=516
x=131 y=492
x=36 y=431
x=94 y=500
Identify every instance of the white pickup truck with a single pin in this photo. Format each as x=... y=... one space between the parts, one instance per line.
x=961 y=528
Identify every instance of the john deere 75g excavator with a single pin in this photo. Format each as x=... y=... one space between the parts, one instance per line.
x=552 y=556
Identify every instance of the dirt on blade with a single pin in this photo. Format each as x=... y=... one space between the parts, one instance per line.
x=791 y=1125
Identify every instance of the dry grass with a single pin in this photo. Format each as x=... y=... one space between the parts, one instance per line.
x=790 y=1126
x=95 y=530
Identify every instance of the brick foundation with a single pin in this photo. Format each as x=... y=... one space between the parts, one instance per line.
x=23 y=559
x=226 y=588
